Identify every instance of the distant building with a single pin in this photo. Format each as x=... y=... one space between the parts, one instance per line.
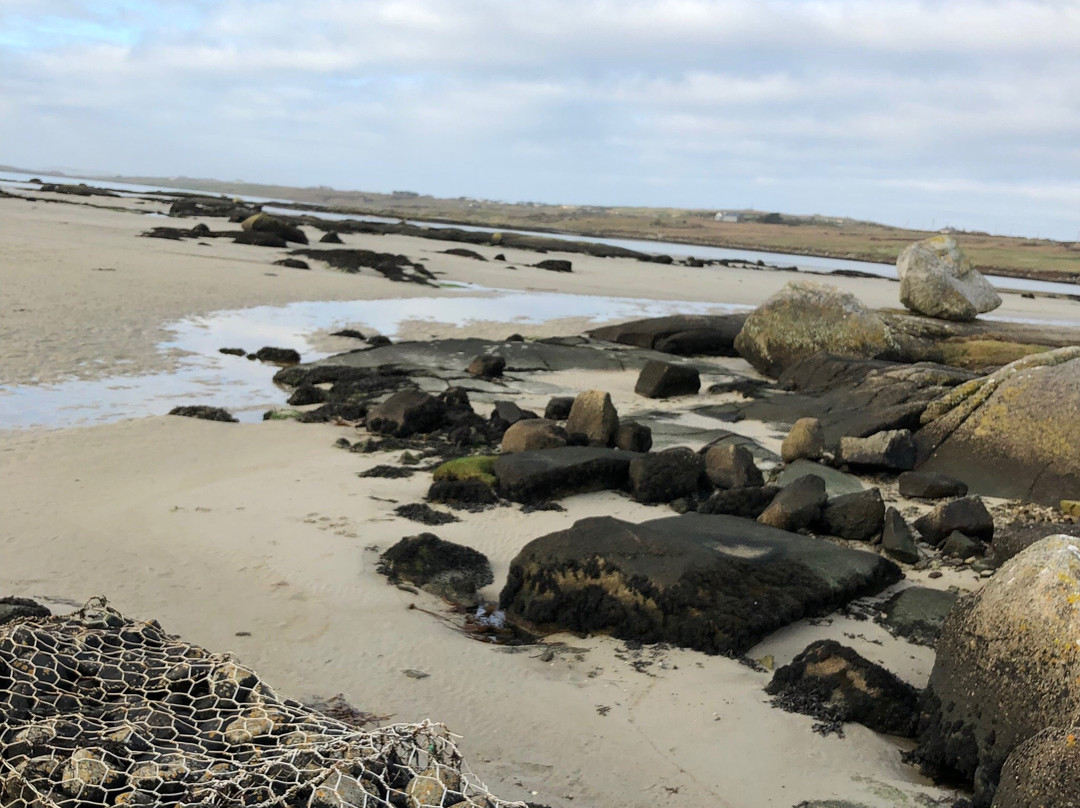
x=726 y=216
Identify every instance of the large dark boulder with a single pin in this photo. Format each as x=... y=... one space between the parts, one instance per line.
x=443 y=568
x=893 y=450
x=748 y=503
x=1012 y=433
x=834 y=684
x=798 y=505
x=666 y=476
x=967 y=515
x=406 y=413
x=545 y=474
x=12 y=608
x=717 y=584
x=806 y=318
x=1006 y=667
x=682 y=334
x=858 y=516
x=664 y=380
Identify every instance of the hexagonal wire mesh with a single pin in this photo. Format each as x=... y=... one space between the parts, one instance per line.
x=100 y=710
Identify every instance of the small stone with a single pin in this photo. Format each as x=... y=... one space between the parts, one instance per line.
x=1070 y=507
x=897 y=539
x=805 y=440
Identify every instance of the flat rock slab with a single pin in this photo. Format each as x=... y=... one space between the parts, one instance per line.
x=918 y=613
x=717 y=584
x=545 y=474
x=837 y=483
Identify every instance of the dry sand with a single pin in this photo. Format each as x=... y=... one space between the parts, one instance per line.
x=217 y=529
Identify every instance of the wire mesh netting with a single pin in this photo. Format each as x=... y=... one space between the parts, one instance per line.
x=100 y=710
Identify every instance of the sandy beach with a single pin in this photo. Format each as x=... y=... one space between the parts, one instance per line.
x=260 y=539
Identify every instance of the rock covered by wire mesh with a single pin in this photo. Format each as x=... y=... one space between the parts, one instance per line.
x=100 y=710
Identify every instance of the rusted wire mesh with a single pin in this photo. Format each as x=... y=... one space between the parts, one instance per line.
x=100 y=710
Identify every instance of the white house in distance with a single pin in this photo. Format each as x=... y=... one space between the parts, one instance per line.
x=726 y=216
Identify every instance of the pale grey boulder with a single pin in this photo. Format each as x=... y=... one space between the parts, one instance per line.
x=937 y=280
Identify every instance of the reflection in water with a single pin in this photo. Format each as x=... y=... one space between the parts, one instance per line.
x=205 y=376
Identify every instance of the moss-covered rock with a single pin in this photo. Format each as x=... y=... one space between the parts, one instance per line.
x=475 y=467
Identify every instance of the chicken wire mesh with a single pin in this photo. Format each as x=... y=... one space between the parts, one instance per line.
x=100 y=710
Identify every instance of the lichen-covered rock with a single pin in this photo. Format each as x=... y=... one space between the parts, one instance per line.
x=441 y=567
x=1006 y=668
x=834 y=684
x=1042 y=772
x=1011 y=433
x=893 y=450
x=806 y=440
x=937 y=280
x=717 y=584
x=594 y=416
x=806 y=318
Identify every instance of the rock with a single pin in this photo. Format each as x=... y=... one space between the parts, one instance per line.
x=554 y=265
x=511 y=413
x=1042 y=772
x=797 y=506
x=558 y=408
x=967 y=514
x=424 y=514
x=1012 y=433
x=858 y=516
x=682 y=334
x=434 y=787
x=938 y=281
x=265 y=223
x=664 y=380
x=1018 y=536
x=331 y=238
x=748 y=503
x=897 y=539
x=732 y=467
x=594 y=416
x=487 y=366
x=378 y=340
x=957 y=545
x=893 y=450
x=205 y=413
x=12 y=608
x=633 y=437
x=307 y=394
x=340 y=790
x=917 y=613
x=261 y=239
x=836 y=482
x=405 y=413
x=232 y=351
x=834 y=684
x=717 y=584
x=464 y=494
x=292 y=263
x=665 y=476
x=532 y=433
x=351 y=333
x=806 y=440
x=547 y=474
x=805 y=318
x=930 y=485
x=464 y=252
x=441 y=567
x=278 y=356
x=1006 y=666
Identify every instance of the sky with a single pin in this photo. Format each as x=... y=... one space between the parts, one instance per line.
x=921 y=114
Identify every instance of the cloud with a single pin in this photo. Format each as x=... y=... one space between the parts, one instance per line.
x=683 y=102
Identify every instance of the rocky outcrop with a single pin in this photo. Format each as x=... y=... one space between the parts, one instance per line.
x=806 y=318
x=834 y=684
x=664 y=380
x=938 y=281
x=717 y=584
x=1006 y=667
x=1011 y=433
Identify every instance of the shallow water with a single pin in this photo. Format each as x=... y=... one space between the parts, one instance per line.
x=245 y=388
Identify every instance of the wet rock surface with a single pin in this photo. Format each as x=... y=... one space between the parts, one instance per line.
x=685 y=335
x=717 y=584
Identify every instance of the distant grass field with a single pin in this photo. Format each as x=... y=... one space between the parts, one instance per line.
x=804 y=235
